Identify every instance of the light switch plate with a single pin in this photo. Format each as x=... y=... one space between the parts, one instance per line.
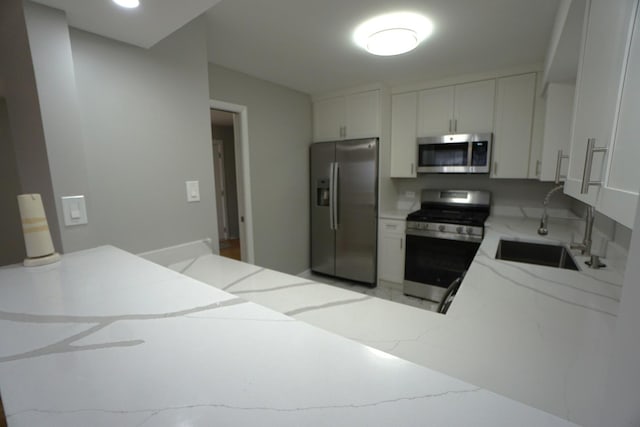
x=74 y=209
x=193 y=191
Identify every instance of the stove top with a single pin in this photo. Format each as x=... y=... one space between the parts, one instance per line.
x=449 y=216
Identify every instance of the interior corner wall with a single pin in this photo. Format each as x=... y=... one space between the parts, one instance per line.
x=12 y=248
x=147 y=130
x=48 y=34
x=279 y=121
x=23 y=109
x=226 y=135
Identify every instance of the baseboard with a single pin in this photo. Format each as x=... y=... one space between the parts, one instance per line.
x=173 y=254
x=305 y=273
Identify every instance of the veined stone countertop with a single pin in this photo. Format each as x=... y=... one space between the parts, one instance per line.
x=105 y=338
x=536 y=334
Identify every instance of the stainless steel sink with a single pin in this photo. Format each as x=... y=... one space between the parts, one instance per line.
x=536 y=253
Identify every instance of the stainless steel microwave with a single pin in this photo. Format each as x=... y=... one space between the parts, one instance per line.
x=460 y=153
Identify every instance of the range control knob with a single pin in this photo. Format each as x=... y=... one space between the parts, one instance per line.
x=441 y=227
x=460 y=229
x=469 y=230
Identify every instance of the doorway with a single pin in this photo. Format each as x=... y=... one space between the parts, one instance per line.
x=226 y=188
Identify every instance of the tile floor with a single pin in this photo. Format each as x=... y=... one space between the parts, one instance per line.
x=385 y=290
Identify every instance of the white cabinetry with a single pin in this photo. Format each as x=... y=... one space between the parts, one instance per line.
x=404 y=115
x=347 y=117
x=391 y=248
x=557 y=130
x=618 y=197
x=456 y=109
x=514 y=120
x=598 y=89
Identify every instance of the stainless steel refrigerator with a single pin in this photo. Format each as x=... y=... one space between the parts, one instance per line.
x=344 y=209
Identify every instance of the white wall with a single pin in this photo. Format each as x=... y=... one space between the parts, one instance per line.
x=145 y=118
x=279 y=138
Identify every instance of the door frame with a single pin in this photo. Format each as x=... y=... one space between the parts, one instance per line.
x=243 y=176
x=221 y=188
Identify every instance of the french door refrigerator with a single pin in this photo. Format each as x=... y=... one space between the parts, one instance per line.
x=344 y=209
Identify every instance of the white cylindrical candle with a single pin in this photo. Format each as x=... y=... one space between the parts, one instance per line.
x=35 y=228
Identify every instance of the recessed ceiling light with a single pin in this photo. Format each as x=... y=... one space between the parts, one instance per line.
x=129 y=4
x=393 y=34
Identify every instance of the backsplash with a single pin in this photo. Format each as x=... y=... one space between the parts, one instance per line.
x=504 y=192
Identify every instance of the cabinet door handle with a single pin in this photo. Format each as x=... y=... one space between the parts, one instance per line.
x=412 y=166
x=401 y=244
x=588 y=162
x=495 y=168
x=561 y=156
x=450 y=125
x=538 y=163
x=455 y=125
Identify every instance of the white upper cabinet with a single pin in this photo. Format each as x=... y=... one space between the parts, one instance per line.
x=514 y=121
x=618 y=197
x=328 y=119
x=557 y=131
x=605 y=46
x=347 y=117
x=474 y=107
x=435 y=111
x=456 y=109
x=404 y=115
x=362 y=117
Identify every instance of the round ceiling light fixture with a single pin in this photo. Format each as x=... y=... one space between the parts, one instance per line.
x=392 y=34
x=129 y=4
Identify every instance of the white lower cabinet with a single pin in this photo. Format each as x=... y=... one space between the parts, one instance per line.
x=391 y=246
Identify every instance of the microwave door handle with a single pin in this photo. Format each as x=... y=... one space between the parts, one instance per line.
x=469 y=153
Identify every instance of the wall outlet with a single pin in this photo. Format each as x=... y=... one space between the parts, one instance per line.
x=410 y=194
x=193 y=191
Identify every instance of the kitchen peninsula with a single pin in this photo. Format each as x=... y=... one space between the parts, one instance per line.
x=106 y=338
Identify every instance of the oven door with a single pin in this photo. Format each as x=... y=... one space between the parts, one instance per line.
x=432 y=264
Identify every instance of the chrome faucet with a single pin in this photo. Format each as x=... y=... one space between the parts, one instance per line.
x=585 y=246
x=543 y=231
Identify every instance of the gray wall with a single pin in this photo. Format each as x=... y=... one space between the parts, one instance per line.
x=61 y=120
x=146 y=131
x=23 y=107
x=226 y=135
x=279 y=138
x=11 y=242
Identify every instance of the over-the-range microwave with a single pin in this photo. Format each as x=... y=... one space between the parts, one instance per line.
x=460 y=153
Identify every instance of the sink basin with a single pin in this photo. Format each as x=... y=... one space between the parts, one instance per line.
x=536 y=253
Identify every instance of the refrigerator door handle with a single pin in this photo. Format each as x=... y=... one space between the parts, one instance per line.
x=336 y=185
x=331 y=191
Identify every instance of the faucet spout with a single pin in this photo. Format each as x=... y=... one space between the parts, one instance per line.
x=585 y=246
x=543 y=230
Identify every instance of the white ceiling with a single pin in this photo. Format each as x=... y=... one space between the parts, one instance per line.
x=144 y=26
x=306 y=44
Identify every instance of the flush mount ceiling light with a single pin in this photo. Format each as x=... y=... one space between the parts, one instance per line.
x=392 y=34
x=129 y=4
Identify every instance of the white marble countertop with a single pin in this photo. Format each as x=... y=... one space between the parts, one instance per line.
x=105 y=338
x=536 y=334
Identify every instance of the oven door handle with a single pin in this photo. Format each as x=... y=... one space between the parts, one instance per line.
x=448 y=295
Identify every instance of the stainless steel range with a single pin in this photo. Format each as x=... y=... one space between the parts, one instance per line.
x=441 y=240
